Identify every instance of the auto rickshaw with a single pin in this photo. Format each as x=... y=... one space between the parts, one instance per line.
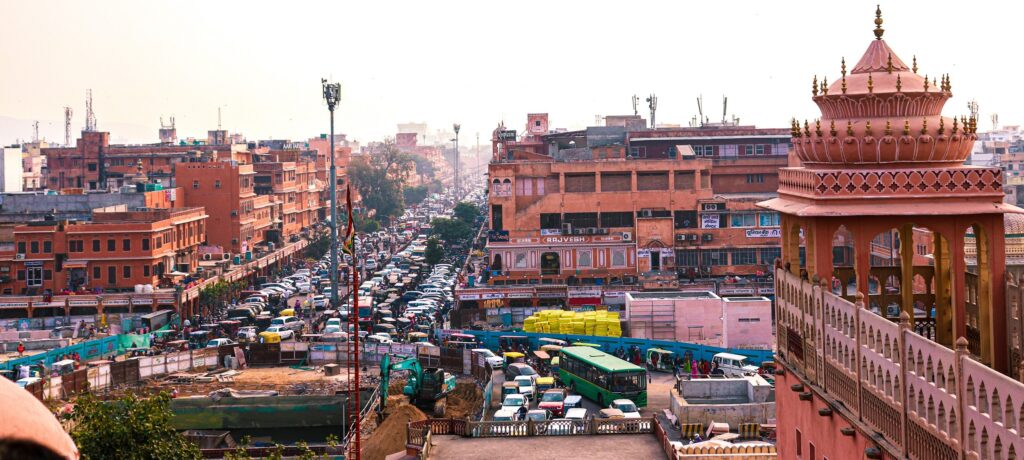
x=230 y=327
x=198 y=339
x=660 y=360
x=176 y=345
x=551 y=350
x=269 y=337
x=513 y=342
x=542 y=358
x=287 y=312
x=543 y=384
x=549 y=341
x=514 y=357
x=584 y=344
x=417 y=337
x=509 y=388
x=555 y=364
x=64 y=367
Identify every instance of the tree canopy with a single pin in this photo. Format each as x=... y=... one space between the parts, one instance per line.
x=379 y=177
x=415 y=194
x=466 y=212
x=434 y=252
x=130 y=428
x=452 y=231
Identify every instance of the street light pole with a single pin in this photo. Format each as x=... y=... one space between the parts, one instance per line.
x=458 y=194
x=332 y=92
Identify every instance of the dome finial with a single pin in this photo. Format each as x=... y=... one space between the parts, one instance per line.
x=878 y=22
x=814 y=86
x=914 y=68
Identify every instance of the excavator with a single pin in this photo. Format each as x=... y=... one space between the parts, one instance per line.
x=427 y=388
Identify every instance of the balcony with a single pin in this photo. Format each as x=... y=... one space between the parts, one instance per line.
x=927 y=401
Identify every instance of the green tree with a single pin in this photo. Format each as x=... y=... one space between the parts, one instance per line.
x=415 y=194
x=466 y=212
x=378 y=177
x=434 y=252
x=364 y=225
x=452 y=231
x=130 y=428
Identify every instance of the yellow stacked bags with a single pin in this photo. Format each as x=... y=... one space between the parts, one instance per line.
x=599 y=323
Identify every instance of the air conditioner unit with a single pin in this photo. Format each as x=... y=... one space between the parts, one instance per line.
x=646 y=213
x=707 y=237
x=602 y=231
x=19 y=257
x=566 y=228
x=680 y=237
x=227 y=256
x=578 y=231
x=627 y=236
x=591 y=231
x=207 y=256
x=692 y=237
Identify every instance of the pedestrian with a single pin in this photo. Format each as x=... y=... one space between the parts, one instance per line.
x=693 y=370
x=21 y=349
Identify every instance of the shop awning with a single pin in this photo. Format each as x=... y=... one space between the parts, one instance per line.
x=76 y=263
x=585 y=301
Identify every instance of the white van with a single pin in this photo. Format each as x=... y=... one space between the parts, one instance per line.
x=733 y=364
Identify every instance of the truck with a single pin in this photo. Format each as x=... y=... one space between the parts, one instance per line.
x=427 y=388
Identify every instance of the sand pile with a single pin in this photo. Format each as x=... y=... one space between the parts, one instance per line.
x=390 y=436
x=465 y=401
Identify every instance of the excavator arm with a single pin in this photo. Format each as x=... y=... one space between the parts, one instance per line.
x=411 y=364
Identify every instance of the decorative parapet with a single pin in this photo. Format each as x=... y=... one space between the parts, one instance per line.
x=928 y=401
x=930 y=182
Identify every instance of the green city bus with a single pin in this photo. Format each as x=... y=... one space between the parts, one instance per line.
x=601 y=377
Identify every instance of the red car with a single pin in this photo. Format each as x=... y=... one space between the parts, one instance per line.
x=554 y=401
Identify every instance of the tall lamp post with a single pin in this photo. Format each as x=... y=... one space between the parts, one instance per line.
x=332 y=92
x=458 y=191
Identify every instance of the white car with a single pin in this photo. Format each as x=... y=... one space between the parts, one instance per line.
x=494 y=360
x=284 y=332
x=627 y=407
x=332 y=329
x=214 y=343
x=288 y=322
x=525 y=383
x=334 y=322
x=512 y=403
x=304 y=288
x=380 y=338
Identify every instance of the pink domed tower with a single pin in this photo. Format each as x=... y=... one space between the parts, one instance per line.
x=883 y=200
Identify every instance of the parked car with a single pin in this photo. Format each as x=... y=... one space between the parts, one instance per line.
x=538 y=415
x=494 y=360
x=525 y=383
x=246 y=333
x=554 y=401
x=214 y=343
x=512 y=403
x=516 y=369
x=627 y=407
x=288 y=322
x=282 y=331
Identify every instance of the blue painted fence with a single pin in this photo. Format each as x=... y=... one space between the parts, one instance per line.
x=610 y=344
x=90 y=350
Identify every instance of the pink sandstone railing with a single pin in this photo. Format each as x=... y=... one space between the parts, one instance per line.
x=927 y=401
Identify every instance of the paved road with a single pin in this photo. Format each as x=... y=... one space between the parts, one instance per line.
x=599 y=447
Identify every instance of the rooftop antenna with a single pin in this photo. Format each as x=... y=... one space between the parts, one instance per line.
x=636 y=100
x=995 y=121
x=973 y=107
x=652 y=103
x=725 y=104
x=35 y=131
x=67 y=126
x=700 y=109
x=218 y=118
x=90 y=116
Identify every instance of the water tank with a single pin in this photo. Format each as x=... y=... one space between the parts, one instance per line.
x=138 y=289
x=147 y=289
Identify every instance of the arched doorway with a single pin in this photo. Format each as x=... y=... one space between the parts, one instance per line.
x=550 y=263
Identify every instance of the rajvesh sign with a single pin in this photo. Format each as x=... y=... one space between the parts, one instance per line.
x=764 y=233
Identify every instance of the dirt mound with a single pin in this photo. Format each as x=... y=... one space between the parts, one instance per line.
x=390 y=436
x=464 y=401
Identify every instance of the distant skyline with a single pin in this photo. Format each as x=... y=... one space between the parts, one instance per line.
x=476 y=63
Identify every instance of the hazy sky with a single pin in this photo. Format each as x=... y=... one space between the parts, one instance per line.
x=475 y=62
